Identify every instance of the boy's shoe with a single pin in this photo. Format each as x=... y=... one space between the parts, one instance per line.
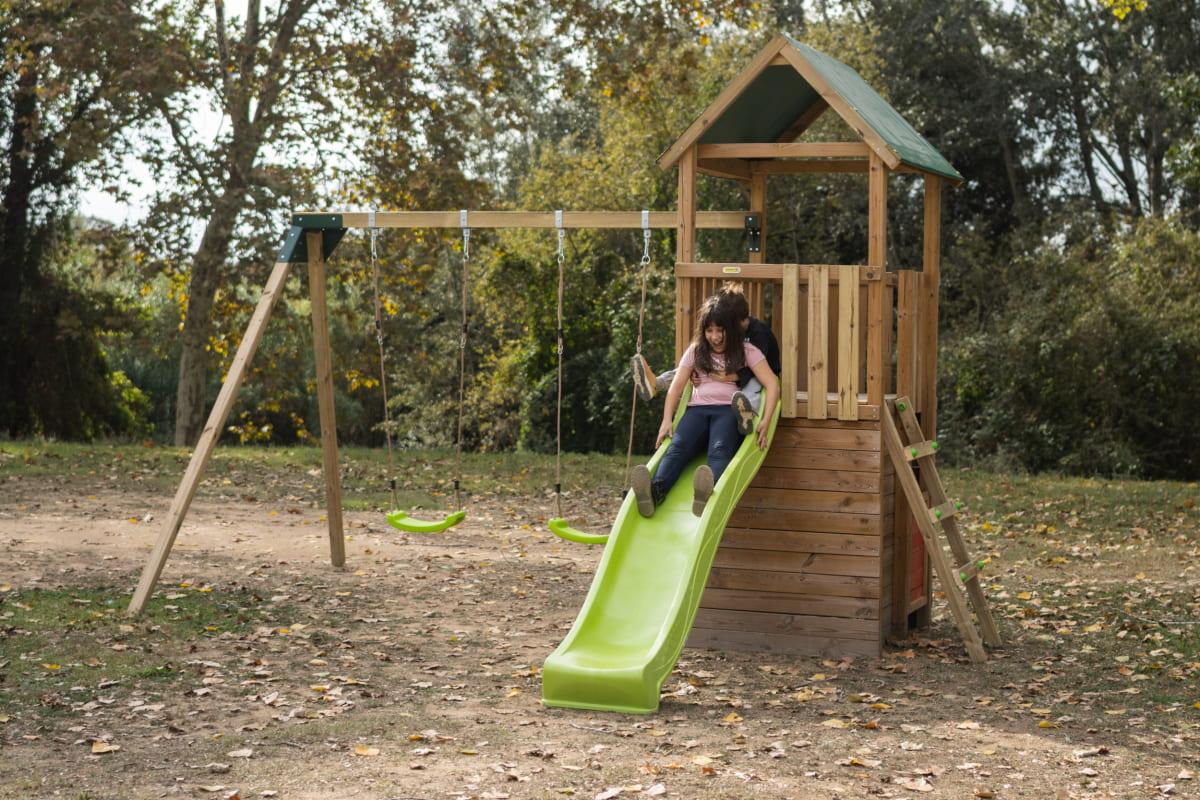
x=639 y=482
x=745 y=412
x=643 y=378
x=702 y=488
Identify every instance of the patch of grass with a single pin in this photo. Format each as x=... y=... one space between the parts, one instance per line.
x=56 y=644
x=1111 y=510
x=424 y=478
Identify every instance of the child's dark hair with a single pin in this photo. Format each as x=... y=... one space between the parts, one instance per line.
x=713 y=312
x=733 y=297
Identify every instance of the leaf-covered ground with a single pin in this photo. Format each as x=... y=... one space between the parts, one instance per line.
x=260 y=671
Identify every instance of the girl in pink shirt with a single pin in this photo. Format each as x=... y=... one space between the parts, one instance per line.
x=709 y=422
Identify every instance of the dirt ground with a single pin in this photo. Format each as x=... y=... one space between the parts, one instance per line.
x=414 y=673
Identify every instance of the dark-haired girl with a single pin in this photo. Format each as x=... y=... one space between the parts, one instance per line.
x=709 y=422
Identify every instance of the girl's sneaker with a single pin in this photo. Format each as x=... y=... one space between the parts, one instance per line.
x=702 y=488
x=639 y=482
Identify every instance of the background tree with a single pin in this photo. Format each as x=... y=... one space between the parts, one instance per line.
x=73 y=80
x=273 y=80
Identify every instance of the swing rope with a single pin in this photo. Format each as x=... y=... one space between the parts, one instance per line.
x=462 y=356
x=558 y=406
x=559 y=525
x=387 y=412
x=645 y=266
x=397 y=518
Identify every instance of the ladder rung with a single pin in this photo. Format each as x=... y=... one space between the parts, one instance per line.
x=920 y=450
x=970 y=571
x=945 y=511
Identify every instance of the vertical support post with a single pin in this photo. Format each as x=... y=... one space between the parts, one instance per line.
x=907 y=376
x=928 y=324
x=847 y=343
x=791 y=337
x=758 y=205
x=324 y=366
x=927 y=338
x=879 y=323
x=208 y=438
x=818 y=340
x=685 y=249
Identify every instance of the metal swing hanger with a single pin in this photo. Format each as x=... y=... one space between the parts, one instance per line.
x=396 y=518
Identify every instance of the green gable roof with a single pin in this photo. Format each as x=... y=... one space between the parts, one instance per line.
x=768 y=107
x=779 y=94
x=902 y=138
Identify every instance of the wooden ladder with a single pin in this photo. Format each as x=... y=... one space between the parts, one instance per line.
x=966 y=573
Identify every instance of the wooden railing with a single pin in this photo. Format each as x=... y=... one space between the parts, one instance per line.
x=819 y=315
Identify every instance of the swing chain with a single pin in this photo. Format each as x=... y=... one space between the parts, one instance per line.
x=645 y=238
x=558 y=221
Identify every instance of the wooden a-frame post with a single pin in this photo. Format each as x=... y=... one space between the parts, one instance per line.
x=208 y=439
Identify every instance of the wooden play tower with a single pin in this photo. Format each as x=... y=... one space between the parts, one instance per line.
x=821 y=556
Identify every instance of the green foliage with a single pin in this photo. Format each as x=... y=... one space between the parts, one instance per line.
x=1092 y=364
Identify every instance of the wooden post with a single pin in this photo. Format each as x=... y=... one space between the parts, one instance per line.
x=927 y=337
x=790 y=357
x=324 y=366
x=878 y=321
x=208 y=439
x=818 y=340
x=847 y=342
x=758 y=205
x=928 y=323
x=685 y=250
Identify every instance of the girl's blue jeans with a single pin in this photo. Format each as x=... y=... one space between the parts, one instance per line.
x=703 y=427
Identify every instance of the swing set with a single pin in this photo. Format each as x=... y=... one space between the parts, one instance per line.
x=311 y=240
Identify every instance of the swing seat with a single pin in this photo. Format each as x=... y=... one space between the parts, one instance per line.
x=562 y=529
x=401 y=521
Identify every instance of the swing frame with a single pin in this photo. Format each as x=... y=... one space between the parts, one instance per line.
x=312 y=239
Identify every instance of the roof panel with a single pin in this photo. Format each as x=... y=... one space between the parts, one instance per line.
x=774 y=98
x=910 y=146
x=765 y=110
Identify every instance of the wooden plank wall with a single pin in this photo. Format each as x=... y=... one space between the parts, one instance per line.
x=802 y=565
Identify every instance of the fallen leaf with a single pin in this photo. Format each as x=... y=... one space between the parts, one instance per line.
x=608 y=794
x=657 y=790
x=916 y=784
x=245 y=752
x=365 y=750
x=104 y=747
x=968 y=726
x=732 y=717
x=835 y=723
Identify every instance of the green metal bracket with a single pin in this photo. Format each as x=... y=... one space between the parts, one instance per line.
x=295 y=245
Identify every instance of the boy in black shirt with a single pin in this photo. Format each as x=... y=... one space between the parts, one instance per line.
x=746 y=400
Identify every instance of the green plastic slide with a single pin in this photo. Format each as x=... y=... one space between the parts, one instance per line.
x=644 y=597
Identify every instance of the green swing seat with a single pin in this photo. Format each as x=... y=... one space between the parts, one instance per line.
x=562 y=529
x=401 y=521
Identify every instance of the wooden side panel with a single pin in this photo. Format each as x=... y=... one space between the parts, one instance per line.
x=798 y=569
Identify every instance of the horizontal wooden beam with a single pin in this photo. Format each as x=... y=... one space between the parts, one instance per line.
x=533 y=219
x=785 y=150
x=737 y=169
x=770 y=272
x=854 y=165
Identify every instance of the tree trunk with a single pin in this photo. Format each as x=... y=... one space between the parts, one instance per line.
x=16 y=267
x=190 y=393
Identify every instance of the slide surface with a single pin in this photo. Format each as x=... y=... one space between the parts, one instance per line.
x=645 y=594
